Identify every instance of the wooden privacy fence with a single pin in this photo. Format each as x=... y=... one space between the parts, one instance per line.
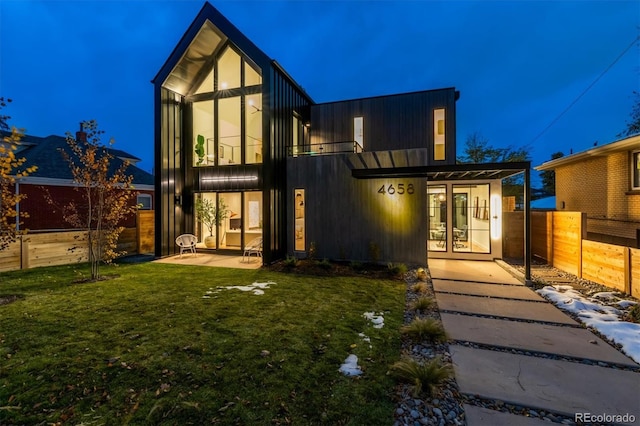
x=559 y=238
x=67 y=247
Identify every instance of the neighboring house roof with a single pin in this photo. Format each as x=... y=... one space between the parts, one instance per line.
x=45 y=154
x=631 y=143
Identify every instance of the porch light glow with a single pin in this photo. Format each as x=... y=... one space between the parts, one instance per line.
x=223 y=85
x=496 y=217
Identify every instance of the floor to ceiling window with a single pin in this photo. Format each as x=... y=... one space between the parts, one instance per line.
x=459 y=218
x=227 y=113
x=234 y=219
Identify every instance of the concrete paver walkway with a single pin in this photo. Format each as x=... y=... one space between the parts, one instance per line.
x=467 y=292
x=544 y=338
x=559 y=386
x=483 y=289
x=519 y=309
x=470 y=270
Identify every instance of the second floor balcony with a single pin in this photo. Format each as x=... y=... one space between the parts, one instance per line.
x=324 y=148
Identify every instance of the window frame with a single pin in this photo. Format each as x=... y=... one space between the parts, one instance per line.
x=635 y=170
x=145 y=196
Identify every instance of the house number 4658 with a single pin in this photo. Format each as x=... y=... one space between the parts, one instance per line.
x=400 y=189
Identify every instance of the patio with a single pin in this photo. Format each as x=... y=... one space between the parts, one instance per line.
x=217 y=260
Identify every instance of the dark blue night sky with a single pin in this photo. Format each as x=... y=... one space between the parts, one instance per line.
x=517 y=64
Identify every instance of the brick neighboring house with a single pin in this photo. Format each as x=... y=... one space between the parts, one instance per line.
x=53 y=174
x=604 y=183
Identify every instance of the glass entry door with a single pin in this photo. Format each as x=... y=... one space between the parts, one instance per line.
x=471 y=213
x=459 y=218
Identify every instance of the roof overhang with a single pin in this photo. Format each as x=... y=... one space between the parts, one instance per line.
x=627 y=144
x=414 y=163
x=208 y=32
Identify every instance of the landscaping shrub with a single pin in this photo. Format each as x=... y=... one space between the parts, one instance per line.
x=424 y=378
x=425 y=329
x=423 y=303
x=290 y=262
x=397 y=269
x=324 y=264
x=420 y=287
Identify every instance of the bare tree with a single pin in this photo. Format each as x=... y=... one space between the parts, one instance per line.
x=106 y=194
x=633 y=124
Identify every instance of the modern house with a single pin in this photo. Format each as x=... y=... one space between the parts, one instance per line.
x=604 y=183
x=54 y=177
x=362 y=179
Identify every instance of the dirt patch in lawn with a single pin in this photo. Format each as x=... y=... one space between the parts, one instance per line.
x=5 y=300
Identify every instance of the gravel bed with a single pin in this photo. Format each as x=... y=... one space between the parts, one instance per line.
x=445 y=406
x=539 y=275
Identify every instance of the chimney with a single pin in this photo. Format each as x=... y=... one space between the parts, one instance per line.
x=81 y=135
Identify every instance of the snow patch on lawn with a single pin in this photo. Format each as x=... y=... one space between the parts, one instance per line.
x=605 y=319
x=366 y=339
x=350 y=366
x=256 y=288
x=376 y=319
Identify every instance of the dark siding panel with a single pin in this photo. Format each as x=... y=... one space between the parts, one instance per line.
x=390 y=122
x=344 y=215
x=286 y=99
x=170 y=182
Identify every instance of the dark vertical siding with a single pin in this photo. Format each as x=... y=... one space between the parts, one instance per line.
x=402 y=121
x=169 y=176
x=344 y=216
x=285 y=98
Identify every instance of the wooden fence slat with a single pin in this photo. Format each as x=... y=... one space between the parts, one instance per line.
x=634 y=273
x=604 y=264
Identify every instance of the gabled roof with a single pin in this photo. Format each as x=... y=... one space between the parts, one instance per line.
x=208 y=31
x=45 y=154
x=631 y=143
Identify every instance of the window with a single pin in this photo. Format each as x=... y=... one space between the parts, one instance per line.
x=253 y=129
x=298 y=144
x=438 y=134
x=229 y=70
x=358 y=133
x=207 y=85
x=437 y=217
x=227 y=112
x=635 y=170
x=299 y=230
x=144 y=202
x=251 y=76
x=239 y=219
x=203 y=133
x=229 y=131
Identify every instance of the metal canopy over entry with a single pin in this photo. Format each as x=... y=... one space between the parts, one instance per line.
x=376 y=165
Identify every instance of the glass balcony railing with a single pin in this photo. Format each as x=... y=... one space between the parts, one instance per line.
x=324 y=148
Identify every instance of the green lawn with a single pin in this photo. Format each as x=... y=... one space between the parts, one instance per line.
x=147 y=348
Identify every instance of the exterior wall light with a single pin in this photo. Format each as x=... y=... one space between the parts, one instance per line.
x=496 y=217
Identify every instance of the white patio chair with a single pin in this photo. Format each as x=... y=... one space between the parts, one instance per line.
x=187 y=242
x=253 y=247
